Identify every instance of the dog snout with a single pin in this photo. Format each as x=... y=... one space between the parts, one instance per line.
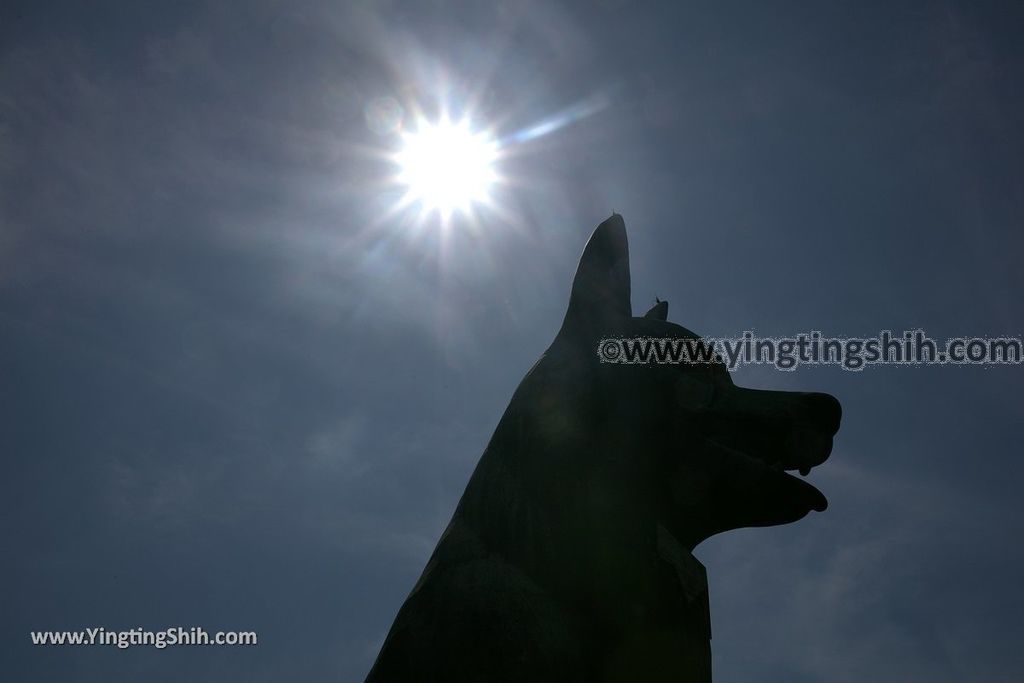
x=824 y=412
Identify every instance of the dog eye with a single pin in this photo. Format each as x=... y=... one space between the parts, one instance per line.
x=695 y=390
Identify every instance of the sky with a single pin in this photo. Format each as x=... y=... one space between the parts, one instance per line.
x=242 y=388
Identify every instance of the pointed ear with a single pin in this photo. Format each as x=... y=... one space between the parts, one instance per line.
x=600 y=291
x=658 y=312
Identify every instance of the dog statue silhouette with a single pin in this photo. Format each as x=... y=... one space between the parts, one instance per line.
x=569 y=557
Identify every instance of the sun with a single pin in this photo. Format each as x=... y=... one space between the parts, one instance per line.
x=447 y=166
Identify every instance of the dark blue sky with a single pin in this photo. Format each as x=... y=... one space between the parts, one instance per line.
x=236 y=394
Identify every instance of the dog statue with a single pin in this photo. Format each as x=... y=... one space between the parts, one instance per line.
x=569 y=557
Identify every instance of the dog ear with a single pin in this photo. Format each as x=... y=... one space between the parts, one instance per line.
x=600 y=290
x=658 y=312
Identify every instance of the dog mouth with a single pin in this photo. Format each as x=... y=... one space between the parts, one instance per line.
x=799 y=489
x=778 y=464
x=806 y=449
x=768 y=443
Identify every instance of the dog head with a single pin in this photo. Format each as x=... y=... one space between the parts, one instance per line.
x=563 y=560
x=679 y=442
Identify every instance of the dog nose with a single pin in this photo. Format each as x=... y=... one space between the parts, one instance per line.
x=824 y=411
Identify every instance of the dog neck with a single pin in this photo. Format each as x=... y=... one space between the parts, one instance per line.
x=693 y=577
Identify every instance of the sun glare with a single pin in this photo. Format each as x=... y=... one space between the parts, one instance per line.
x=447 y=166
